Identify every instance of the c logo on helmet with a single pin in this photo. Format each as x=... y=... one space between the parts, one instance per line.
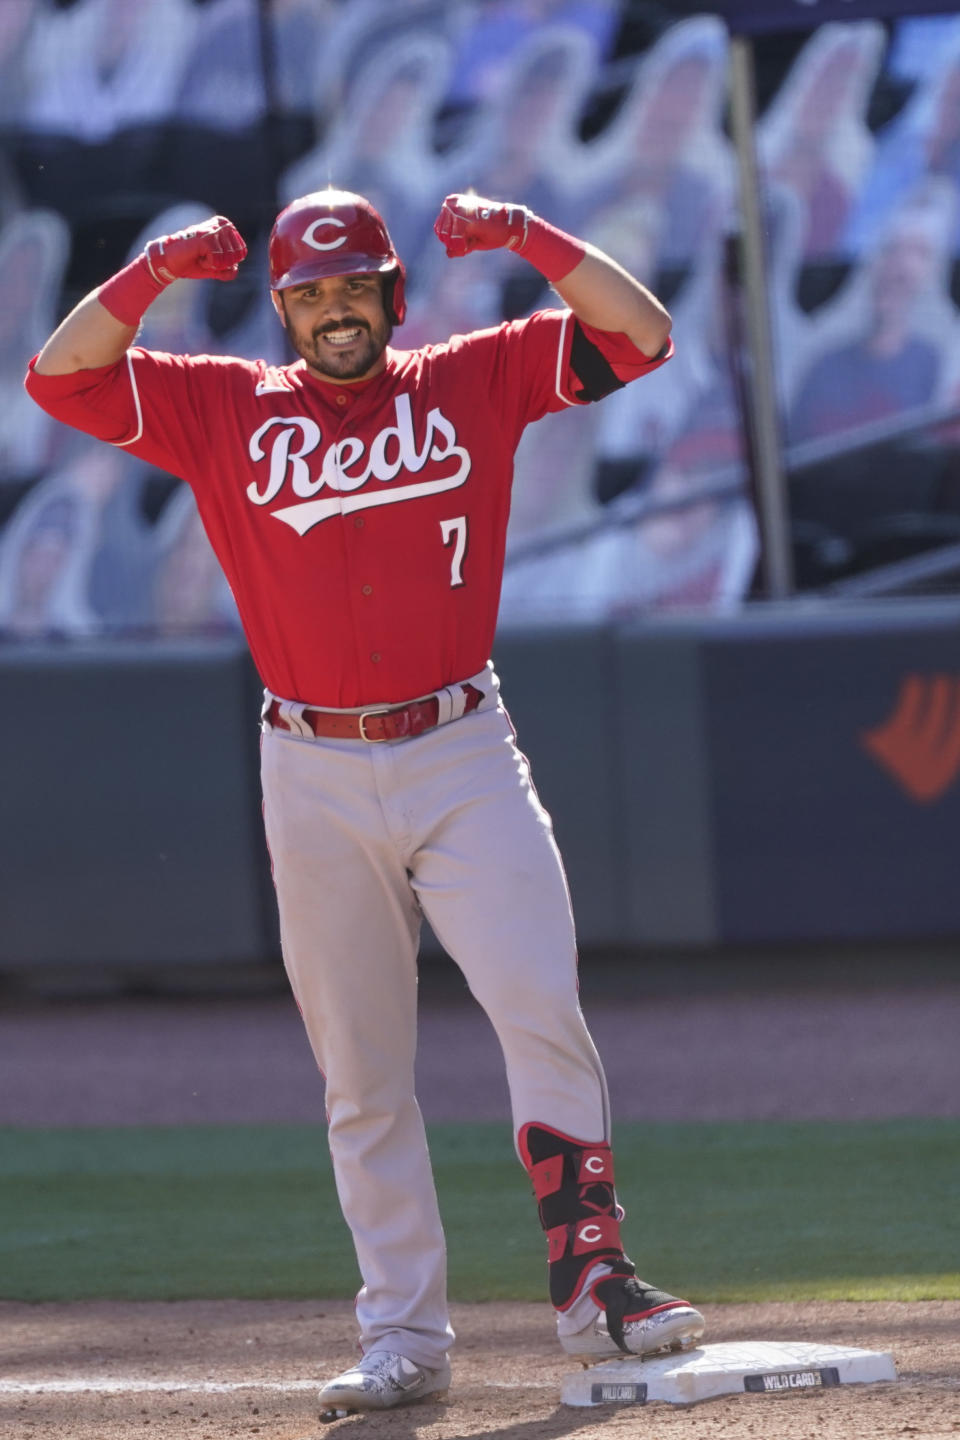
x=309 y=236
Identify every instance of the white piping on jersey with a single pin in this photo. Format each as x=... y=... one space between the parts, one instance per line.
x=136 y=401
x=563 y=332
x=304 y=516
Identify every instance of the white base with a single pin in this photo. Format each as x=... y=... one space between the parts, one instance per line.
x=732 y=1367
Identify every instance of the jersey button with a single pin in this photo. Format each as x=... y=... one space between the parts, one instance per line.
x=367 y=590
x=341 y=398
x=375 y=657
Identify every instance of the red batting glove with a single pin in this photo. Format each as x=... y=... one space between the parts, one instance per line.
x=468 y=222
x=212 y=251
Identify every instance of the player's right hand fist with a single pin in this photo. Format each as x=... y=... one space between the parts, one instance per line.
x=212 y=251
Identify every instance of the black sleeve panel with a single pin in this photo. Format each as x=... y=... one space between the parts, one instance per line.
x=591 y=367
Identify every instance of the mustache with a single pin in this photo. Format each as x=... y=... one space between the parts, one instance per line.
x=349 y=322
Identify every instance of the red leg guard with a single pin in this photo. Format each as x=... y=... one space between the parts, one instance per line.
x=577 y=1203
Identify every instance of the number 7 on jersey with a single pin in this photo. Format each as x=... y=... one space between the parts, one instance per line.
x=456 y=531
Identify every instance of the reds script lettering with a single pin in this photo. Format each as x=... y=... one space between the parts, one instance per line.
x=287 y=461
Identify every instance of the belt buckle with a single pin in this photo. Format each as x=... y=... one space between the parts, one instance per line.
x=362 y=720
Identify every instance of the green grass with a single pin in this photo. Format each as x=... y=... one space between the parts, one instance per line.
x=717 y=1212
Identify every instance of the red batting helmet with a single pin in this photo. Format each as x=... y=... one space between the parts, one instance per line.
x=333 y=232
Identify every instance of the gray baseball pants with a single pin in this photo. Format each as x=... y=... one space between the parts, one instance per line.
x=363 y=838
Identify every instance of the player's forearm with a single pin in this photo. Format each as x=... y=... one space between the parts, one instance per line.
x=103 y=326
x=88 y=338
x=598 y=290
x=602 y=294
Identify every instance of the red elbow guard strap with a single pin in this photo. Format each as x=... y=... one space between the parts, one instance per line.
x=129 y=294
x=549 y=250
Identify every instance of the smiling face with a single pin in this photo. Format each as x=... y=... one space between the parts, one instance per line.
x=338 y=325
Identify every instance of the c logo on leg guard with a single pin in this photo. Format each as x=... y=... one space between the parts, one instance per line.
x=595 y=1165
x=590 y=1234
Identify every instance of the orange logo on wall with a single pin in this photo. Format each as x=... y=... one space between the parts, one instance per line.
x=919 y=745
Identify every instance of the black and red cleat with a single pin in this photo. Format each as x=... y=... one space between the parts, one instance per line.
x=634 y=1318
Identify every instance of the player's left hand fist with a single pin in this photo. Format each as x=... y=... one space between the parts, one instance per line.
x=469 y=222
x=212 y=251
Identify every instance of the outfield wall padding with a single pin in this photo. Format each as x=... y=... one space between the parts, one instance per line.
x=790 y=774
x=131 y=829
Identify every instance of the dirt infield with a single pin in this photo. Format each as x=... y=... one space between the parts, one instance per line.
x=215 y=1370
x=102 y=1371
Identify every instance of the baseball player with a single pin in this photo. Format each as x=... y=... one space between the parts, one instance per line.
x=357 y=501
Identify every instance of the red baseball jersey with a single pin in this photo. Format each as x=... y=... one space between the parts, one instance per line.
x=361 y=527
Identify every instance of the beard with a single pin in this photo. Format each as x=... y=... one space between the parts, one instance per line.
x=355 y=359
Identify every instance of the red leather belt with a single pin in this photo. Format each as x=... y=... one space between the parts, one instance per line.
x=392 y=722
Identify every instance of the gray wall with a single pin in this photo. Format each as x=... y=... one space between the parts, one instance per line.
x=131 y=828
x=791 y=774
x=834 y=753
